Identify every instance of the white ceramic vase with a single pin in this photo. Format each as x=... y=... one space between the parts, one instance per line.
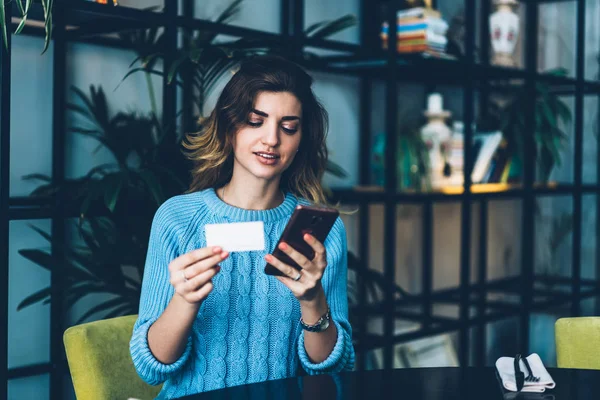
x=504 y=32
x=436 y=135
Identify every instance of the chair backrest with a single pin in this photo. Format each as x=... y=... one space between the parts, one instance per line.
x=578 y=342
x=100 y=362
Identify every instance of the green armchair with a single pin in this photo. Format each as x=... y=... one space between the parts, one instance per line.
x=100 y=362
x=578 y=342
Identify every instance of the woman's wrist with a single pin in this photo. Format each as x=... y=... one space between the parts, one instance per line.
x=312 y=310
x=184 y=307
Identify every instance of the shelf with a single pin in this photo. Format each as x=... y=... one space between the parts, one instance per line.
x=415 y=67
x=378 y=194
x=96 y=23
x=440 y=324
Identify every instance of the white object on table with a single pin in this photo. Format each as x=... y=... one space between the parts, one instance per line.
x=506 y=370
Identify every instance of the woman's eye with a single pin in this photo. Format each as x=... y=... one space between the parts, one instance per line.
x=255 y=123
x=290 y=130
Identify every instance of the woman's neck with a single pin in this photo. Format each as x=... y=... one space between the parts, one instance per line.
x=251 y=197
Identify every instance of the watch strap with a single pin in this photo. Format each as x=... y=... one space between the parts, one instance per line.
x=320 y=325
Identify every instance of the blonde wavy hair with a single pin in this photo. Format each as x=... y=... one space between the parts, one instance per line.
x=211 y=149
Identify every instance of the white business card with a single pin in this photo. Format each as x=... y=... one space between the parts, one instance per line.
x=236 y=236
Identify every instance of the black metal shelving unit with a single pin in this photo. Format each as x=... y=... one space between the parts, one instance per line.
x=84 y=21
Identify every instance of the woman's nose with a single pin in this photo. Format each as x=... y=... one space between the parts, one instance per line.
x=271 y=136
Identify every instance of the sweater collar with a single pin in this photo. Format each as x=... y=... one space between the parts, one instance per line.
x=219 y=207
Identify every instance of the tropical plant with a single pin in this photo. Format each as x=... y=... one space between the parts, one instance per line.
x=412 y=159
x=147 y=169
x=550 y=114
x=24 y=9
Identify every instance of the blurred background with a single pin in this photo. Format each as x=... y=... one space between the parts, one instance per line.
x=464 y=133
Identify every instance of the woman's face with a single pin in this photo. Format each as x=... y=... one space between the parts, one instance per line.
x=266 y=145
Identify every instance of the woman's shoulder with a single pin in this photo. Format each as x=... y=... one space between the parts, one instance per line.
x=179 y=208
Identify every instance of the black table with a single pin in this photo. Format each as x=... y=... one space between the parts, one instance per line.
x=413 y=384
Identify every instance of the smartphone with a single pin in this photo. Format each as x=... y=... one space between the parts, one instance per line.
x=316 y=221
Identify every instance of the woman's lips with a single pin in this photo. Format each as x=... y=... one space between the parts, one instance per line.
x=267 y=158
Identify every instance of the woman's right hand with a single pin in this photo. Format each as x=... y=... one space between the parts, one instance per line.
x=191 y=273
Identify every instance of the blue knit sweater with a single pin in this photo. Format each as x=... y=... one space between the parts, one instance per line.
x=247 y=329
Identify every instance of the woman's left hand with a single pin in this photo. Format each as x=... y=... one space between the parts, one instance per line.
x=308 y=286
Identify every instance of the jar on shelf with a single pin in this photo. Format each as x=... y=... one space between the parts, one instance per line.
x=437 y=137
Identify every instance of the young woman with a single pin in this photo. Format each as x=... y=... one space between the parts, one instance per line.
x=209 y=319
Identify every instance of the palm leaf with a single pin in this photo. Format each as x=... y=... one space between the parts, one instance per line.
x=329 y=28
x=101 y=307
x=39 y=177
x=153 y=72
x=34 y=298
x=229 y=12
x=42 y=233
x=113 y=186
x=38 y=257
x=126 y=309
x=308 y=31
x=153 y=185
x=335 y=169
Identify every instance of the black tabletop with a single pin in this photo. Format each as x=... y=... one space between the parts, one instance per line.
x=414 y=384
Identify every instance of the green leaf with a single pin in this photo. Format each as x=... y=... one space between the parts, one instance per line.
x=3 y=23
x=564 y=112
x=153 y=185
x=101 y=307
x=42 y=233
x=20 y=5
x=39 y=177
x=84 y=112
x=548 y=114
x=34 y=298
x=174 y=67
x=308 y=31
x=113 y=185
x=47 y=5
x=22 y=23
x=332 y=27
x=24 y=13
x=153 y=72
x=39 y=257
x=82 y=130
x=335 y=169
x=229 y=12
x=126 y=309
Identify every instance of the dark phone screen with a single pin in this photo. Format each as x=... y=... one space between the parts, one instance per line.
x=314 y=221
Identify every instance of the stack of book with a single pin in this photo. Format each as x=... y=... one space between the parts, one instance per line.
x=419 y=30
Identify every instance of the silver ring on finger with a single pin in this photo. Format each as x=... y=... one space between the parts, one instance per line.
x=185 y=279
x=297 y=278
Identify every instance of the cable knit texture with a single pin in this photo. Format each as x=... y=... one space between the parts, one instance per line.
x=247 y=330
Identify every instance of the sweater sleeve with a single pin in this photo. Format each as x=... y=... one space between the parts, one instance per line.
x=156 y=294
x=334 y=283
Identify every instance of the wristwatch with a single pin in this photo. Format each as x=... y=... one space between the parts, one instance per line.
x=321 y=325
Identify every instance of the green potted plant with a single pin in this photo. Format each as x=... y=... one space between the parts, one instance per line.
x=550 y=113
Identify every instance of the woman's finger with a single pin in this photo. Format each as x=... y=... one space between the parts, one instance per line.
x=204 y=265
x=202 y=293
x=287 y=270
x=318 y=247
x=192 y=257
x=201 y=279
x=300 y=259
